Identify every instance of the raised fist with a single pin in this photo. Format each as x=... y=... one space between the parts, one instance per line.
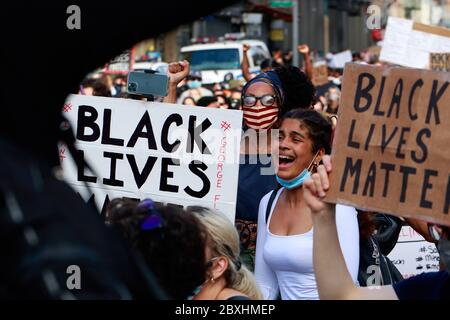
x=303 y=49
x=177 y=71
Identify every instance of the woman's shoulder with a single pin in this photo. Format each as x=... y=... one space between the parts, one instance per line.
x=265 y=199
x=269 y=199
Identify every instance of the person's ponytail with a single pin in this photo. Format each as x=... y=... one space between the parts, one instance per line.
x=243 y=280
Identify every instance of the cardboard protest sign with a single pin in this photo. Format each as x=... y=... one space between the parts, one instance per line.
x=440 y=61
x=408 y=43
x=320 y=73
x=169 y=153
x=391 y=150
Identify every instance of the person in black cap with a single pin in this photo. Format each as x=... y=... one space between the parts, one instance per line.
x=208 y=101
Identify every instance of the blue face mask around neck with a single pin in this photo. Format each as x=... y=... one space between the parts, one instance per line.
x=298 y=180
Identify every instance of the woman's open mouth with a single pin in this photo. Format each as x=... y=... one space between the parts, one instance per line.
x=285 y=162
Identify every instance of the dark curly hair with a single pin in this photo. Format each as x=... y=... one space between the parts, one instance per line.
x=175 y=252
x=299 y=92
x=367 y=225
x=319 y=127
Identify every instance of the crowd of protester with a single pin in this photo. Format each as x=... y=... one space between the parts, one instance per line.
x=285 y=238
x=268 y=253
x=227 y=94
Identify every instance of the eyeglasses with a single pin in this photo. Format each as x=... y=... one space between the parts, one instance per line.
x=267 y=100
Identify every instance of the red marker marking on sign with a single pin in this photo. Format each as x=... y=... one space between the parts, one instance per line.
x=225 y=126
x=67 y=107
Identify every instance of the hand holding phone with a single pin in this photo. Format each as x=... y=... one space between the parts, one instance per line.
x=147 y=84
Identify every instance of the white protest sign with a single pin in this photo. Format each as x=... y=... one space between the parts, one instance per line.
x=169 y=153
x=121 y=64
x=339 y=60
x=413 y=255
x=409 y=44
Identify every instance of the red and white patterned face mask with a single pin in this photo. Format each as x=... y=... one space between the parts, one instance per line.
x=260 y=117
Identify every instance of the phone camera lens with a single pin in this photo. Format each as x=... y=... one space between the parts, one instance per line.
x=132 y=86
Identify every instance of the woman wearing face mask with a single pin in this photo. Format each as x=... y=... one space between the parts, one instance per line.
x=338 y=284
x=227 y=278
x=265 y=99
x=332 y=100
x=284 y=260
x=194 y=88
x=235 y=100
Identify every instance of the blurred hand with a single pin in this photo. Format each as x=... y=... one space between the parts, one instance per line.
x=333 y=121
x=303 y=49
x=178 y=71
x=288 y=55
x=246 y=47
x=316 y=186
x=278 y=57
x=323 y=100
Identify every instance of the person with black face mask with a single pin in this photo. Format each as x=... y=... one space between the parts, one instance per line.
x=235 y=100
x=333 y=279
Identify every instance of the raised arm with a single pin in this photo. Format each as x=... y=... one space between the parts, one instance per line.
x=304 y=51
x=245 y=64
x=421 y=227
x=332 y=276
x=177 y=71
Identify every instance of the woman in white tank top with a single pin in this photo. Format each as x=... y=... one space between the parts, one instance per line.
x=284 y=259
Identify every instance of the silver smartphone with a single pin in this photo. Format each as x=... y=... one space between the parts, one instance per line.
x=146 y=84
